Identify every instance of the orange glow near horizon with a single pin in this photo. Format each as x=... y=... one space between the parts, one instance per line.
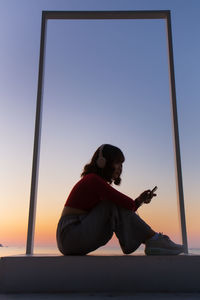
x=45 y=233
x=160 y=215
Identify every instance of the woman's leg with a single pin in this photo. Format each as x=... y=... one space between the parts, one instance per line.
x=97 y=227
x=131 y=230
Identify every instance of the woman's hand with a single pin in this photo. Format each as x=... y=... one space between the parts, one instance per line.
x=146 y=197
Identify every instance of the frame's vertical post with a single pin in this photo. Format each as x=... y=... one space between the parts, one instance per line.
x=179 y=182
x=36 y=149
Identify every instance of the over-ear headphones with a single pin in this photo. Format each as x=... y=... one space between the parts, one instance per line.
x=101 y=161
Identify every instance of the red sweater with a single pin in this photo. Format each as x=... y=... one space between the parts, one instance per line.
x=92 y=189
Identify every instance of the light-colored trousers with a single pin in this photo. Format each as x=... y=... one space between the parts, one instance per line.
x=81 y=234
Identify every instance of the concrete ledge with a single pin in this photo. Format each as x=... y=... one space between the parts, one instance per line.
x=100 y=274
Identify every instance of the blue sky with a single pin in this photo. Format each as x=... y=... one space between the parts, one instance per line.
x=105 y=81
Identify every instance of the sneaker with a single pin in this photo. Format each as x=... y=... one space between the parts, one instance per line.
x=162 y=246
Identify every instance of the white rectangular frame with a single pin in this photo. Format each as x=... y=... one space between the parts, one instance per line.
x=94 y=15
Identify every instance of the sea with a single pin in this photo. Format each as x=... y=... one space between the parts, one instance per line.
x=52 y=250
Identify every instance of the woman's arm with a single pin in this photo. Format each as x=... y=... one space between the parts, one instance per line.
x=106 y=192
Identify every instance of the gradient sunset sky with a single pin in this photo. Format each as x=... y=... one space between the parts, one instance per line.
x=106 y=81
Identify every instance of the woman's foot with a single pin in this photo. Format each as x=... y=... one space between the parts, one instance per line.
x=162 y=245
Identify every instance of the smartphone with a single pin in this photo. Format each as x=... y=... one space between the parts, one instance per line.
x=154 y=189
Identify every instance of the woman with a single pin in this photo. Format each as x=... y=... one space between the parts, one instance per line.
x=94 y=210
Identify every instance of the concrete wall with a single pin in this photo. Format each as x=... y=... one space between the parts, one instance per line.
x=100 y=274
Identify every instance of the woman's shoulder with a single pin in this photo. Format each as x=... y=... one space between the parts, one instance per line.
x=87 y=179
x=93 y=177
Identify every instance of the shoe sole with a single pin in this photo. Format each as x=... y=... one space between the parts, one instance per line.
x=161 y=251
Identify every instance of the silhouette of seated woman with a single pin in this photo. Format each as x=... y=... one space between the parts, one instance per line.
x=94 y=210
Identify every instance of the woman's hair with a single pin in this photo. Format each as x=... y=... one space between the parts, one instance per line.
x=112 y=155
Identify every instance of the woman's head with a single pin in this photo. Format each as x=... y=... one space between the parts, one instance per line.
x=107 y=163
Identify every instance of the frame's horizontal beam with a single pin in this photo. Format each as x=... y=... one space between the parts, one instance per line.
x=154 y=14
